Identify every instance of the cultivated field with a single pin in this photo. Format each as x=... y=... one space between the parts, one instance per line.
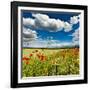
x=50 y=62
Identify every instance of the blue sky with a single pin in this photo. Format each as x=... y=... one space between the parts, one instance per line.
x=47 y=24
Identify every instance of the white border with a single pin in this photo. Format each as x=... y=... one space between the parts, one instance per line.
x=51 y=78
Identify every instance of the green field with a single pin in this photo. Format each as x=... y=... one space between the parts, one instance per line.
x=50 y=62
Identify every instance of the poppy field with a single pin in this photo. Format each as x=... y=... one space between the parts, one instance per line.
x=50 y=62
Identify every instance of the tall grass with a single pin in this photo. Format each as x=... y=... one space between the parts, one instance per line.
x=49 y=62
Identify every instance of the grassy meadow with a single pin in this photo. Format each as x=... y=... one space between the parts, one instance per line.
x=50 y=62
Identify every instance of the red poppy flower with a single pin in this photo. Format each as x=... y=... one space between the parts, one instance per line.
x=30 y=54
x=38 y=55
x=27 y=62
x=25 y=58
x=42 y=58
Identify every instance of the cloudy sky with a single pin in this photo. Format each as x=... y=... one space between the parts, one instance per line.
x=50 y=29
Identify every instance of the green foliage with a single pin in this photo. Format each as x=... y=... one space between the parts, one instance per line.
x=54 y=62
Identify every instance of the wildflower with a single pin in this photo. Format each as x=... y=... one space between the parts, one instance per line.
x=42 y=58
x=38 y=55
x=25 y=58
x=27 y=62
x=30 y=55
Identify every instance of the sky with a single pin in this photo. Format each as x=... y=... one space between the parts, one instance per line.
x=50 y=29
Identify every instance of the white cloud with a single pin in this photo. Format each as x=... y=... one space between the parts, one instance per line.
x=29 y=35
x=35 y=43
x=67 y=27
x=75 y=36
x=43 y=21
x=29 y=22
x=60 y=44
x=39 y=16
x=75 y=19
x=45 y=44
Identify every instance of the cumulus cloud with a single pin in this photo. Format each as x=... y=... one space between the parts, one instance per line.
x=75 y=36
x=67 y=27
x=43 y=21
x=29 y=35
x=29 y=22
x=75 y=19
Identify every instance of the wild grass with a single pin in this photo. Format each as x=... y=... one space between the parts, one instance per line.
x=50 y=62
